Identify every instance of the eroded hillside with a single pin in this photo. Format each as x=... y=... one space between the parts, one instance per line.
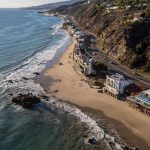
x=123 y=30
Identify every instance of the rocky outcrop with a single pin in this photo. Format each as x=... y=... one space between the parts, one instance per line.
x=26 y=100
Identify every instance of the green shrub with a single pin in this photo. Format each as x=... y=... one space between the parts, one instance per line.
x=99 y=67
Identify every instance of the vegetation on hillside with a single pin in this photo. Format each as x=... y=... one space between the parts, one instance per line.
x=123 y=28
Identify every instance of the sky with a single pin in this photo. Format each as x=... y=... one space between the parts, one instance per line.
x=23 y=3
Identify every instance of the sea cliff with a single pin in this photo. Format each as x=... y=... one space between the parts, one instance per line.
x=118 y=28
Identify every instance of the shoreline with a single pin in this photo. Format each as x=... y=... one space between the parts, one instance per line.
x=57 y=85
x=41 y=79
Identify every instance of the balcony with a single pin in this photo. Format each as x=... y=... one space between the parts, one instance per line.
x=144 y=100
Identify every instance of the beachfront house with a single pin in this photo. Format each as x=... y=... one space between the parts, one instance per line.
x=141 y=101
x=143 y=98
x=71 y=30
x=83 y=63
x=79 y=46
x=116 y=84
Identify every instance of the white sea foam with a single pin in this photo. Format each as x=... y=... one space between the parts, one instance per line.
x=96 y=131
x=35 y=64
x=17 y=108
x=2 y=105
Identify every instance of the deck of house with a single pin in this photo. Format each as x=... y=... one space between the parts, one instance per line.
x=140 y=103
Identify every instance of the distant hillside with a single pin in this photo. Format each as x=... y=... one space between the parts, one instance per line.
x=123 y=28
x=55 y=5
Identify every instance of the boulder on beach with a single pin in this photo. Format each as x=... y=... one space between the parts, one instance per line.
x=26 y=100
x=55 y=91
x=60 y=64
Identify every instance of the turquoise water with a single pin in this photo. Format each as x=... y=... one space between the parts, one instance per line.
x=26 y=44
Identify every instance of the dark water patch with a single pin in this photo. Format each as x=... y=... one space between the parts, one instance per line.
x=41 y=128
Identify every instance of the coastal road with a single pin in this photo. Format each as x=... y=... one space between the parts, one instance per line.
x=124 y=70
x=116 y=66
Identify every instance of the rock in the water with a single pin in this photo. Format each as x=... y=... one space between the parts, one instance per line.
x=36 y=73
x=92 y=141
x=45 y=97
x=25 y=78
x=26 y=100
x=40 y=12
x=51 y=28
x=10 y=81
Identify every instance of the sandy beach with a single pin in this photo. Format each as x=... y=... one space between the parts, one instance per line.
x=132 y=126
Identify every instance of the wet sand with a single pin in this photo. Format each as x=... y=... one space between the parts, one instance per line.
x=64 y=82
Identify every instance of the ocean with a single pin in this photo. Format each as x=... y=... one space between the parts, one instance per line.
x=28 y=41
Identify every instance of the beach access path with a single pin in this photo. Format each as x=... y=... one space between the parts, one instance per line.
x=70 y=87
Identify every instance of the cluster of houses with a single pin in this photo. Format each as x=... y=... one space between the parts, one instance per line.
x=84 y=49
x=113 y=6
x=115 y=84
x=83 y=52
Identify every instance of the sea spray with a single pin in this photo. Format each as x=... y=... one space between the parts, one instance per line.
x=94 y=129
x=15 y=78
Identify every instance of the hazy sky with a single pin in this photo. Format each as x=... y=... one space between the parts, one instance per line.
x=23 y=3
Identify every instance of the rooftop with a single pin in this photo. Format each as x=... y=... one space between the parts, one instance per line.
x=147 y=92
x=143 y=99
x=117 y=76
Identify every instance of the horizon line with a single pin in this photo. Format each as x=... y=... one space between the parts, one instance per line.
x=33 y=5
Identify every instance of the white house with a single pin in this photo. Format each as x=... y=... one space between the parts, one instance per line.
x=116 y=84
